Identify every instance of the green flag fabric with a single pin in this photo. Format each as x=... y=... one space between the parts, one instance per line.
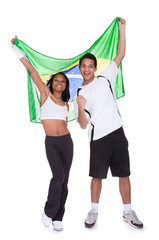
x=104 y=49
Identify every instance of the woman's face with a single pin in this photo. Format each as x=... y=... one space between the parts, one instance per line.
x=59 y=83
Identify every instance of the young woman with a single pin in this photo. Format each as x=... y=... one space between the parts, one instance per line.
x=58 y=142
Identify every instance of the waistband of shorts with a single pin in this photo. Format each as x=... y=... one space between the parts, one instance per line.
x=58 y=139
x=110 y=134
x=119 y=130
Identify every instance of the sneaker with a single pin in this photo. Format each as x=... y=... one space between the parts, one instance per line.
x=57 y=225
x=132 y=219
x=46 y=220
x=91 y=219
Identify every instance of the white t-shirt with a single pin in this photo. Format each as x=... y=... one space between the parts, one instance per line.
x=101 y=108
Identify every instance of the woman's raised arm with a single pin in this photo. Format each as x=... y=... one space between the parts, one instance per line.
x=43 y=88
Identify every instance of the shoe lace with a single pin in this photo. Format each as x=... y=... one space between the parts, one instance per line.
x=92 y=212
x=134 y=215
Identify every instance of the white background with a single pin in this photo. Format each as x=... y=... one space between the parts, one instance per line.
x=63 y=29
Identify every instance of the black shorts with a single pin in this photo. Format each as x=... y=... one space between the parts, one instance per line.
x=110 y=151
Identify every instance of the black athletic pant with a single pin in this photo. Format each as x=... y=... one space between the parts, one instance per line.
x=59 y=151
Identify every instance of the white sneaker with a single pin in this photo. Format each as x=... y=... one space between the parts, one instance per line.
x=132 y=219
x=91 y=219
x=46 y=220
x=57 y=225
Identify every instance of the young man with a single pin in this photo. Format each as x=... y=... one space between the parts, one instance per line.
x=95 y=103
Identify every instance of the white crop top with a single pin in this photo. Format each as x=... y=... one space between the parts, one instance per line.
x=51 y=110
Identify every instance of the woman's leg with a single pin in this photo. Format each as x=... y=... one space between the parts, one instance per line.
x=54 y=194
x=66 y=156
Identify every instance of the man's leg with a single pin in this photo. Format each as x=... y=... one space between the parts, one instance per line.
x=96 y=186
x=100 y=156
x=128 y=215
x=125 y=189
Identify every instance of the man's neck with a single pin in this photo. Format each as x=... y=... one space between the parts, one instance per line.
x=86 y=82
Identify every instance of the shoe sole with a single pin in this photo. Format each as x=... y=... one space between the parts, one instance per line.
x=58 y=230
x=127 y=221
x=87 y=225
x=46 y=225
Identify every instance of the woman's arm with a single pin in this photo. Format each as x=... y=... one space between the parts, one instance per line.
x=43 y=88
x=35 y=76
x=67 y=117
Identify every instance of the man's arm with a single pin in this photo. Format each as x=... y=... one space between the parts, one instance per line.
x=81 y=101
x=122 y=42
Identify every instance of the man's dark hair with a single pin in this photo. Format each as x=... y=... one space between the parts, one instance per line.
x=90 y=56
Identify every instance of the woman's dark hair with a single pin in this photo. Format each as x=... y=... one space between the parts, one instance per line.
x=90 y=56
x=65 y=94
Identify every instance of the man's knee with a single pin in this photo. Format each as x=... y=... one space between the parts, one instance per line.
x=96 y=180
x=124 y=179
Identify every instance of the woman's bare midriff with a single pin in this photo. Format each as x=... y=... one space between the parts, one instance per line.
x=54 y=127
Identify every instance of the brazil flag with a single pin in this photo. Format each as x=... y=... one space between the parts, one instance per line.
x=104 y=49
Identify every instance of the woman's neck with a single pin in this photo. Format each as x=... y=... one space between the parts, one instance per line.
x=57 y=96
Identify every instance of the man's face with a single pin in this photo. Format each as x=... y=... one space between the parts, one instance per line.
x=87 y=69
